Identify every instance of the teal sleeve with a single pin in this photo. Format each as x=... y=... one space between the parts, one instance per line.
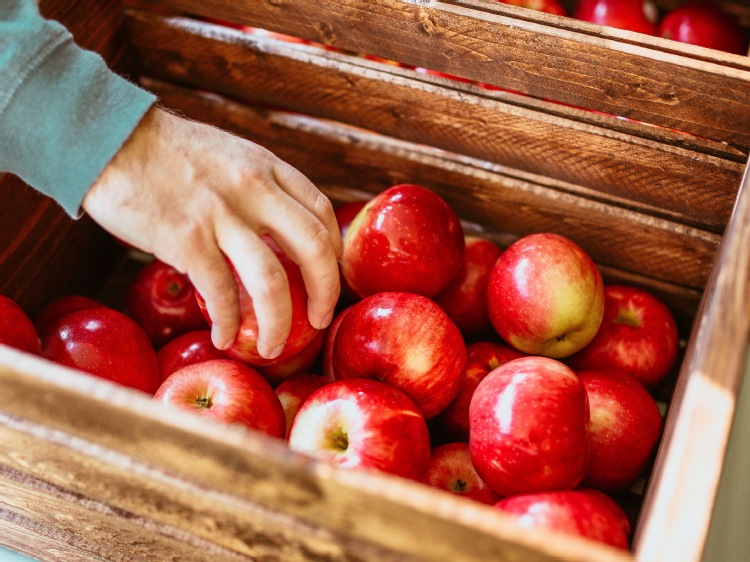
x=63 y=112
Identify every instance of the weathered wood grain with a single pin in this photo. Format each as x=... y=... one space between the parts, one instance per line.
x=554 y=58
x=332 y=154
x=119 y=453
x=655 y=177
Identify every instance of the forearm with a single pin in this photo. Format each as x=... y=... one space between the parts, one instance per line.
x=63 y=113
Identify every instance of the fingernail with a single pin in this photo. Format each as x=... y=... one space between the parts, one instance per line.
x=218 y=341
x=326 y=321
x=276 y=352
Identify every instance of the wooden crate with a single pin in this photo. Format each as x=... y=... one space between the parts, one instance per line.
x=89 y=470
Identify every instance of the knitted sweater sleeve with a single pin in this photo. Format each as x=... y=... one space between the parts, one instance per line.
x=63 y=112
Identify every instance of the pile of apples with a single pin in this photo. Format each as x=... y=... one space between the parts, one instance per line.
x=696 y=22
x=512 y=377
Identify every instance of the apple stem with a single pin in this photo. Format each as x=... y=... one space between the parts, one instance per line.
x=340 y=441
x=203 y=402
x=459 y=486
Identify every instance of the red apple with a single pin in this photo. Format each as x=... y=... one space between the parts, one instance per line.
x=625 y=427
x=528 y=427
x=576 y=512
x=465 y=298
x=363 y=423
x=548 y=6
x=451 y=469
x=294 y=391
x=16 y=328
x=345 y=214
x=704 y=24
x=245 y=346
x=327 y=353
x=59 y=307
x=632 y=15
x=162 y=301
x=193 y=347
x=482 y=358
x=301 y=362
x=106 y=343
x=405 y=239
x=638 y=335
x=545 y=296
x=407 y=341
x=226 y=391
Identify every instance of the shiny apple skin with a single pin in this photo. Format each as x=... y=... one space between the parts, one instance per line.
x=294 y=391
x=638 y=335
x=450 y=469
x=327 y=352
x=59 y=307
x=162 y=301
x=345 y=214
x=16 y=328
x=706 y=25
x=365 y=424
x=228 y=392
x=528 y=427
x=245 y=345
x=405 y=239
x=482 y=358
x=193 y=347
x=575 y=512
x=631 y=15
x=545 y=296
x=302 y=362
x=407 y=341
x=464 y=300
x=106 y=343
x=625 y=428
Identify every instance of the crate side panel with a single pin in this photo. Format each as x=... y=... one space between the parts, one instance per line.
x=655 y=177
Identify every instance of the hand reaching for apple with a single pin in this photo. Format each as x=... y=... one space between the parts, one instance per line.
x=193 y=195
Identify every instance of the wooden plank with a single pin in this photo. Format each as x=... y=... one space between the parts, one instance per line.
x=653 y=177
x=491 y=195
x=120 y=449
x=544 y=56
x=697 y=429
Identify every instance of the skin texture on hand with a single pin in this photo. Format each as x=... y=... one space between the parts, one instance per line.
x=193 y=195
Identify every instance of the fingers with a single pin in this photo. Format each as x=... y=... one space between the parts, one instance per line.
x=265 y=281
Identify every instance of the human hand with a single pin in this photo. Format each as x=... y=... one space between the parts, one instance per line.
x=193 y=195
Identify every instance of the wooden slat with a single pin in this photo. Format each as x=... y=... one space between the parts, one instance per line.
x=654 y=177
x=547 y=57
x=697 y=430
x=332 y=154
x=119 y=450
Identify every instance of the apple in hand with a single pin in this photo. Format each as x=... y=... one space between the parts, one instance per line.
x=704 y=24
x=106 y=343
x=451 y=469
x=16 y=328
x=59 y=307
x=405 y=340
x=301 y=362
x=245 y=346
x=638 y=335
x=625 y=428
x=545 y=296
x=405 y=239
x=528 y=427
x=482 y=358
x=586 y=513
x=363 y=423
x=228 y=392
x=464 y=300
x=294 y=391
x=193 y=347
x=632 y=15
x=162 y=301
